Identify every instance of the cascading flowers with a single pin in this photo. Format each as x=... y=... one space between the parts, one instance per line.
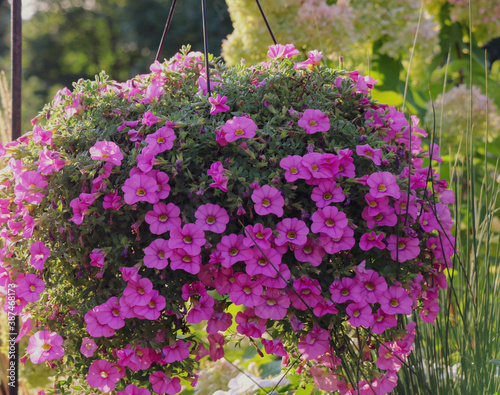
x=135 y=210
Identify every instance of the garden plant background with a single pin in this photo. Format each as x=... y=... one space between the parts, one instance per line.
x=454 y=356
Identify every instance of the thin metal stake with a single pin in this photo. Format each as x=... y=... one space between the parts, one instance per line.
x=205 y=43
x=165 y=31
x=267 y=23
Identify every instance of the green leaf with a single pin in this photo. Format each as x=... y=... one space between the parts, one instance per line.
x=390 y=98
x=305 y=391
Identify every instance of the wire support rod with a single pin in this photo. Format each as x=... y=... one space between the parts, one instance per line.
x=205 y=44
x=165 y=31
x=266 y=21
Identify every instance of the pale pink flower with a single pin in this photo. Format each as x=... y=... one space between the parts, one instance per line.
x=239 y=127
x=163 y=218
x=39 y=254
x=28 y=187
x=44 y=346
x=279 y=51
x=88 y=347
x=314 y=121
x=29 y=287
x=211 y=217
x=49 y=162
x=268 y=200
x=106 y=151
x=102 y=375
x=313 y=59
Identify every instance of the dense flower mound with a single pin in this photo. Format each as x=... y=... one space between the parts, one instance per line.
x=134 y=211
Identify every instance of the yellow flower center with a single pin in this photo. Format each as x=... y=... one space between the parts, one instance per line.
x=401 y=245
x=369 y=286
x=306 y=292
x=312 y=122
x=32 y=288
x=260 y=235
x=291 y=235
x=115 y=312
x=271 y=302
x=315 y=167
x=394 y=303
x=210 y=220
x=104 y=374
x=307 y=249
x=262 y=261
x=152 y=304
x=247 y=290
x=187 y=239
x=327 y=196
x=266 y=202
x=378 y=217
x=141 y=291
x=161 y=254
x=293 y=170
x=330 y=222
x=373 y=203
x=186 y=259
x=356 y=313
x=382 y=188
x=369 y=154
x=141 y=192
x=163 y=217
x=105 y=156
x=239 y=132
x=344 y=292
x=233 y=251
x=46 y=347
x=160 y=140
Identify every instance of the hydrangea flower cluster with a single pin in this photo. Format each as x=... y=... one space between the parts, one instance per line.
x=133 y=211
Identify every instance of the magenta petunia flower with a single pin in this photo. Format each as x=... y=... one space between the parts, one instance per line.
x=110 y=314
x=180 y=259
x=80 y=206
x=257 y=235
x=138 y=293
x=232 y=250
x=30 y=287
x=390 y=356
x=372 y=285
x=326 y=193
x=44 y=346
x=383 y=321
x=319 y=165
x=275 y=347
x=265 y=261
x=112 y=201
x=375 y=154
x=39 y=254
x=345 y=289
x=395 y=301
x=376 y=205
x=383 y=184
x=310 y=252
x=430 y=311
x=211 y=217
x=190 y=238
x=97 y=257
x=306 y=293
x=218 y=104
x=153 y=309
x=329 y=220
x=156 y=254
x=88 y=347
x=360 y=314
x=244 y=290
x=382 y=218
x=273 y=304
x=49 y=162
x=239 y=127
x=278 y=51
x=103 y=375
x=145 y=161
x=165 y=385
x=149 y=118
x=371 y=240
x=314 y=121
x=163 y=218
x=294 y=168
x=160 y=141
x=202 y=309
x=106 y=151
x=291 y=230
x=28 y=187
x=268 y=200
x=96 y=329
x=175 y=352
x=403 y=248
x=132 y=389
x=315 y=343
x=140 y=188
x=249 y=324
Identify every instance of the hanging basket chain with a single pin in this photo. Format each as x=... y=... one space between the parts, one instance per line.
x=266 y=21
x=165 y=31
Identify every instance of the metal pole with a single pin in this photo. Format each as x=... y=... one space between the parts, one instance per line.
x=15 y=71
x=165 y=31
x=205 y=43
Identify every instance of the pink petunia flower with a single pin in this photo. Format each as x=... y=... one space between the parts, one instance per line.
x=156 y=254
x=372 y=285
x=249 y=324
x=39 y=254
x=140 y=188
x=190 y=238
x=294 y=168
x=329 y=220
x=202 y=309
x=430 y=311
x=268 y=200
x=88 y=347
x=160 y=141
x=29 y=287
x=310 y=252
x=132 y=389
x=275 y=347
x=245 y=291
x=110 y=314
x=177 y=351
x=319 y=165
x=264 y=261
x=257 y=235
x=345 y=289
x=239 y=127
x=137 y=293
x=211 y=217
x=360 y=314
x=96 y=329
x=383 y=184
x=403 y=248
x=371 y=240
x=49 y=162
x=313 y=59
x=386 y=217
x=218 y=104
x=390 y=356
x=106 y=151
x=181 y=259
x=44 y=346
x=163 y=218
x=306 y=293
x=149 y=118
x=80 y=206
x=232 y=250
x=395 y=301
x=291 y=230
x=162 y=180
x=28 y=187
x=314 y=121
x=97 y=257
x=314 y=344
x=279 y=51
x=112 y=201
x=273 y=304
x=383 y=321
x=153 y=309
x=165 y=385
x=326 y=193
x=102 y=375
x=375 y=154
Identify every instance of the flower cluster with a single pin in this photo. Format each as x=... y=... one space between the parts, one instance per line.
x=136 y=210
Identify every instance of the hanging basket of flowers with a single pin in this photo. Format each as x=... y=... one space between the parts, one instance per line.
x=133 y=211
